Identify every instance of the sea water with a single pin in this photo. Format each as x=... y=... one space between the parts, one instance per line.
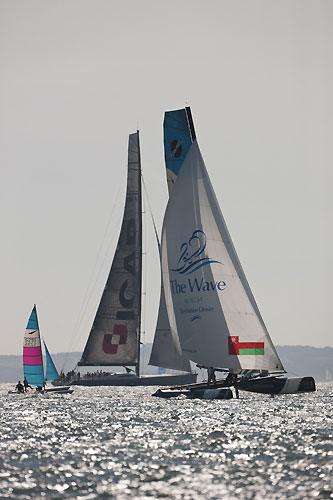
x=122 y=443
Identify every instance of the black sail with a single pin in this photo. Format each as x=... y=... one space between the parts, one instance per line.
x=114 y=338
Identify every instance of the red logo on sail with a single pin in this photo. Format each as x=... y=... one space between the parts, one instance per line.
x=236 y=348
x=112 y=341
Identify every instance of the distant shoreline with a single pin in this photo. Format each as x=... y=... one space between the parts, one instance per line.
x=297 y=360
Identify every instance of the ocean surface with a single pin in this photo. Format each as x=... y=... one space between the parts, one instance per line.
x=121 y=443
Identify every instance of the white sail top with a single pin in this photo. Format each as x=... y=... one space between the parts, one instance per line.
x=209 y=302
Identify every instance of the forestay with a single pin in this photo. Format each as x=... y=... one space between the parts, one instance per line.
x=210 y=305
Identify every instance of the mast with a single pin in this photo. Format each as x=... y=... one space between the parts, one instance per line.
x=190 y=123
x=137 y=368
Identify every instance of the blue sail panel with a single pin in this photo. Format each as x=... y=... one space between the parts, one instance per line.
x=177 y=139
x=33 y=321
x=178 y=136
x=34 y=374
x=51 y=371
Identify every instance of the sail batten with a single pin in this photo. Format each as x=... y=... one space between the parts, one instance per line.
x=115 y=335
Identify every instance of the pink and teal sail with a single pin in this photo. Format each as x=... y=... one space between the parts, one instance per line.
x=32 y=355
x=32 y=352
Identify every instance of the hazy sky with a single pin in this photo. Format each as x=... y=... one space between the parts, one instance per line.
x=78 y=76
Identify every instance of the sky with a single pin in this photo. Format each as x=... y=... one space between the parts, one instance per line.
x=78 y=76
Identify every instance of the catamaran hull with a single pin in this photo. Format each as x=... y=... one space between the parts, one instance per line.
x=59 y=390
x=272 y=385
x=132 y=380
x=278 y=385
x=194 y=393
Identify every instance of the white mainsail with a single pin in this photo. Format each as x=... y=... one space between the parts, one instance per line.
x=210 y=305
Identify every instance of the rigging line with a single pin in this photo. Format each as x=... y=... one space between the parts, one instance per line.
x=144 y=287
x=92 y=283
x=151 y=214
x=146 y=199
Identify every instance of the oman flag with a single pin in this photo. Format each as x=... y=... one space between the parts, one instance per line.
x=239 y=348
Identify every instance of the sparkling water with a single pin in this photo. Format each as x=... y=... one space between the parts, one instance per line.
x=121 y=443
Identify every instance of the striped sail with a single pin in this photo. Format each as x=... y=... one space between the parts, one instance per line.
x=32 y=352
x=51 y=371
x=114 y=337
x=210 y=304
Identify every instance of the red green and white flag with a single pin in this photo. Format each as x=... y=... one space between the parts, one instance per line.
x=237 y=348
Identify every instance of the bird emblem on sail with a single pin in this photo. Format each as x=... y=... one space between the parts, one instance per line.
x=191 y=254
x=236 y=348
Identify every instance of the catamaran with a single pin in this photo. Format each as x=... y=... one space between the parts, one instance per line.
x=214 y=319
x=114 y=339
x=33 y=366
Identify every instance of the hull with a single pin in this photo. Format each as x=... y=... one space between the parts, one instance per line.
x=208 y=393
x=272 y=385
x=131 y=380
x=278 y=385
x=59 y=390
x=49 y=390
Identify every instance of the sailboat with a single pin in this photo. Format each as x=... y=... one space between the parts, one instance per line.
x=33 y=359
x=114 y=339
x=214 y=319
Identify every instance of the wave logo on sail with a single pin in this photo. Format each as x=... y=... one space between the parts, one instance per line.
x=191 y=254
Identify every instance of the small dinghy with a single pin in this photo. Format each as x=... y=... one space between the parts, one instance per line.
x=33 y=360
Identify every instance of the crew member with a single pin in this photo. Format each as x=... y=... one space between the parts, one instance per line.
x=26 y=385
x=19 y=387
x=211 y=376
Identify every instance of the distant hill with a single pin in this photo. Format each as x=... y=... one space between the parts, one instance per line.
x=307 y=360
x=297 y=360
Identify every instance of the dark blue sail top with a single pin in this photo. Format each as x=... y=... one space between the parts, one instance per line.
x=178 y=137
